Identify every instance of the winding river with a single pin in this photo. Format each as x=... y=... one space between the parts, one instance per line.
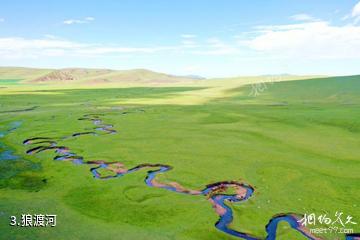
x=219 y=194
x=5 y=152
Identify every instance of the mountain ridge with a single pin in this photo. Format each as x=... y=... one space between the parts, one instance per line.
x=89 y=75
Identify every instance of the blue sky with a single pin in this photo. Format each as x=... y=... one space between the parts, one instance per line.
x=209 y=38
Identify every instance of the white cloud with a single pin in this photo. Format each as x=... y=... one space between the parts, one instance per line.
x=51 y=46
x=100 y=50
x=269 y=28
x=72 y=21
x=50 y=36
x=188 y=43
x=303 y=17
x=356 y=13
x=2 y=20
x=307 y=40
x=356 y=10
x=188 y=36
x=89 y=18
x=78 y=21
x=215 y=46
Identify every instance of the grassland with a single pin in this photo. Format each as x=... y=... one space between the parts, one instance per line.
x=297 y=142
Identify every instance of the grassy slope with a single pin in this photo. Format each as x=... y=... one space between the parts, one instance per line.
x=301 y=157
x=343 y=90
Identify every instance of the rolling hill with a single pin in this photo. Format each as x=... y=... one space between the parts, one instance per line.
x=344 y=90
x=90 y=76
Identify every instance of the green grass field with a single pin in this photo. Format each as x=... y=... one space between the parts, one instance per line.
x=297 y=143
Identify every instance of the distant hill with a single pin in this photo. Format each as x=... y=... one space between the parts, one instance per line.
x=194 y=77
x=136 y=77
x=90 y=76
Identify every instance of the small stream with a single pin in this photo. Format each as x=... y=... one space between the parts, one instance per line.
x=5 y=152
x=219 y=194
